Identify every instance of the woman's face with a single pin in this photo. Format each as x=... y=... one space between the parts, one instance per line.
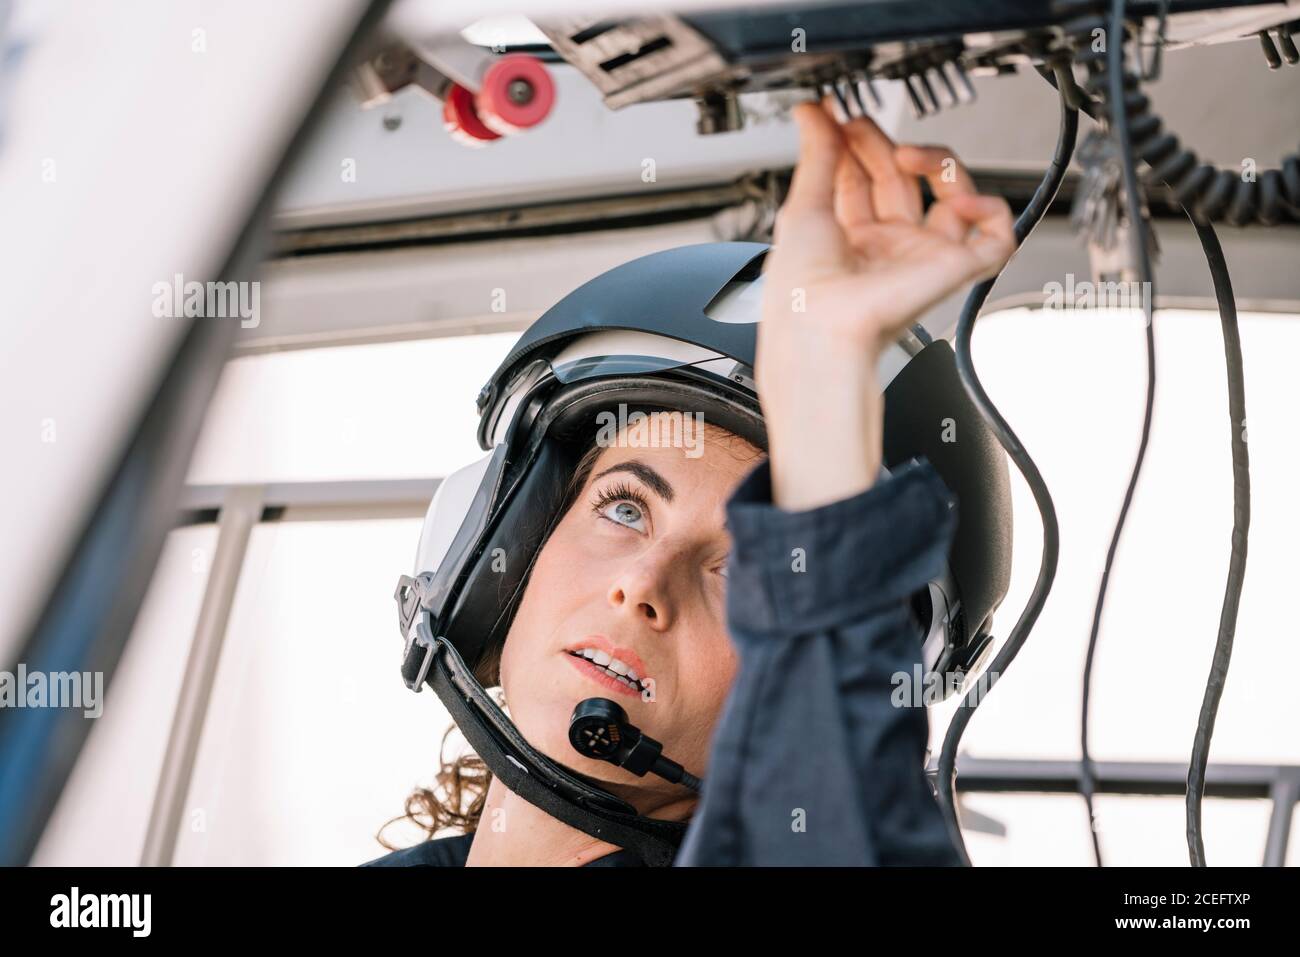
x=633 y=577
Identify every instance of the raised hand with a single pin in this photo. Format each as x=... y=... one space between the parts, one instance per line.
x=854 y=262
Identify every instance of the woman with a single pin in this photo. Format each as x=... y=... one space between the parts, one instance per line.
x=747 y=611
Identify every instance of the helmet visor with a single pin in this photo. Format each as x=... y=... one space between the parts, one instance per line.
x=593 y=367
x=619 y=353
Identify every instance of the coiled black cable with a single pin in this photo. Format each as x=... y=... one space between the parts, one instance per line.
x=1208 y=193
x=1024 y=225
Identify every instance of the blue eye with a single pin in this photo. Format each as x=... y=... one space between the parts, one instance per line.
x=624 y=513
x=622 y=506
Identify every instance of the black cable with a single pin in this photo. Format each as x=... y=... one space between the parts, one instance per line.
x=1240 y=532
x=1138 y=237
x=1024 y=225
x=1241 y=524
x=1087 y=778
x=1140 y=254
x=1152 y=71
x=1211 y=194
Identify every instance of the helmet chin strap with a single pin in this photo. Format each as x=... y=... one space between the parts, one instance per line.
x=539 y=780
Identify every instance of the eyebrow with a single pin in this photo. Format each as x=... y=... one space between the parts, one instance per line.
x=657 y=483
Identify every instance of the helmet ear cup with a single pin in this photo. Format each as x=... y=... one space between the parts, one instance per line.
x=447 y=513
x=496 y=575
x=928 y=415
x=453 y=526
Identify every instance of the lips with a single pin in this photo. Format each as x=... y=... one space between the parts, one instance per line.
x=616 y=668
x=603 y=678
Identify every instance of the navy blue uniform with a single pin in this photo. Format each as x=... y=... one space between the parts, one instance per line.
x=812 y=761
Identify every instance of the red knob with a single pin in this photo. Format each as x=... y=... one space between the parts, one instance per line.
x=517 y=93
x=461 y=119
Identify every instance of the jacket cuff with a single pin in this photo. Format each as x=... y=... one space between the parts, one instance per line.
x=800 y=572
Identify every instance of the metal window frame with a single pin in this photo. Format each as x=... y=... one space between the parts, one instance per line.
x=237 y=510
x=1278 y=782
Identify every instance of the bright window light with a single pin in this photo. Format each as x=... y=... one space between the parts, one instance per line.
x=390 y=410
x=1072 y=385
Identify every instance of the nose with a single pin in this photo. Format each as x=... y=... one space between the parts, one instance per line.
x=643 y=587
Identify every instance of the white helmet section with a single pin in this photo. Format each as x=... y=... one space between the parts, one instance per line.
x=742 y=301
x=450 y=505
x=616 y=342
x=739 y=301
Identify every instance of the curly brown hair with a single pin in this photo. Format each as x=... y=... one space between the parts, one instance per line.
x=461 y=785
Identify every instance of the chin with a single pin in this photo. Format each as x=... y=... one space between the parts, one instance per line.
x=542 y=717
x=544 y=723
x=552 y=739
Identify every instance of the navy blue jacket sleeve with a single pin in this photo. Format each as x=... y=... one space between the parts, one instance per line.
x=812 y=762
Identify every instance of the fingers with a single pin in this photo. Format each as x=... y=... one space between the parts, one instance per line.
x=940 y=167
x=896 y=193
x=852 y=175
x=947 y=222
x=806 y=229
x=947 y=178
x=820 y=145
x=853 y=203
x=994 y=240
